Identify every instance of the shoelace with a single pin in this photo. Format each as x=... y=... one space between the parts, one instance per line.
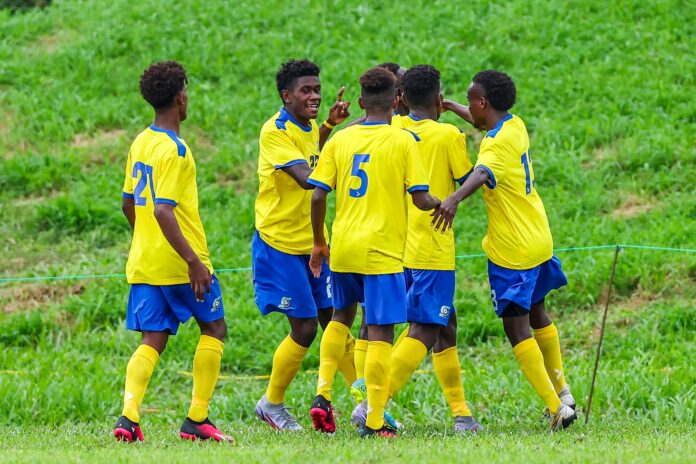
x=285 y=416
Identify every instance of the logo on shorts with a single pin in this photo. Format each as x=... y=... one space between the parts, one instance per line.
x=216 y=305
x=444 y=311
x=285 y=302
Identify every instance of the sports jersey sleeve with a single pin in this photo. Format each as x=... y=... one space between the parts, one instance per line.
x=324 y=175
x=128 y=181
x=492 y=162
x=459 y=161
x=167 y=175
x=279 y=149
x=416 y=178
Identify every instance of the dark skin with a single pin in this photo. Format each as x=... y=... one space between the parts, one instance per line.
x=422 y=200
x=401 y=109
x=486 y=117
x=302 y=101
x=460 y=110
x=199 y=276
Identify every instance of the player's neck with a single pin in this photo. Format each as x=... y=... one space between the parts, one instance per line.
x=168 y=120
x=424 y=113
x=379 y=116
x=300 y=120
x=494 y=118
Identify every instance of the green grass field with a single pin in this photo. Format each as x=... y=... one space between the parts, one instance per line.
x=606 y=90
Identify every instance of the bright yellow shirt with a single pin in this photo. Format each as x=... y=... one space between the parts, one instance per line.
x=282 y=206
x=371 y=166
x=161 y=169
x=446 y=161
x=518 y=230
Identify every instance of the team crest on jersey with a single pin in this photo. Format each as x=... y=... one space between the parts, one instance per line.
x=216 y=305
x=285 y=302
x=444 y=311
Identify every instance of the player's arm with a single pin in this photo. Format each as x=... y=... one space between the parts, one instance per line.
x=444 y=215
x=320 y=251
x=198 y=273
x=424 y=201
x=128 y=208
x=337 y=114
x=300 y=173
x=460 y=110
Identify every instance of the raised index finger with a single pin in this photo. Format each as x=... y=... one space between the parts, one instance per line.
x=340 y=93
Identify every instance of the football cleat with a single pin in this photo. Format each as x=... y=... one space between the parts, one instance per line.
x=464 y=424
x=386 y=431
x=127 y=430
x=566 y=398
x=322 y=415
x=563 y=418
x=359 y=390
x=192 y=430
x=359 y=417
x=276 y=415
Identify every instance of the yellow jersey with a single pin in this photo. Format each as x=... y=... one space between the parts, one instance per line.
x=282 y=206
x=518 y=234
x=161 y=169
x=446 y=161
x=371 y=166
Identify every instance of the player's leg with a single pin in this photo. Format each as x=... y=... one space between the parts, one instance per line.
x=149 y=313
x=408 y=355
x=357 y=388
x=448 y=371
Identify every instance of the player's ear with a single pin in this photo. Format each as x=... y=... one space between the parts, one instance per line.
x=360 y=103
x=395 y=102
x=285 y=95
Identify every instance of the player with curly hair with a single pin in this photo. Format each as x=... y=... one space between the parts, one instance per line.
x=169 y=270
x=522 y=268
x=370 y=165
x=289 y=144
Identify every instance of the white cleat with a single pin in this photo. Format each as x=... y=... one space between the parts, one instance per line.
x=276 y=415
x=563 y=418
x=566 y=397
x=464 y=424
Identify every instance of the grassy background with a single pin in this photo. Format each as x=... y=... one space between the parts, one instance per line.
x=605 y=89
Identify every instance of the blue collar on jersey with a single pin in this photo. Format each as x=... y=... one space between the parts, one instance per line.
x=493 y=132
x=373 y=123
x=180 y=147
x=285 y=116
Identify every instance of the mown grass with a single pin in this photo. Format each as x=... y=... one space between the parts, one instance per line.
x=603 y=88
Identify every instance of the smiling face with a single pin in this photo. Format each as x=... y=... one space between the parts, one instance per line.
x=303 y=100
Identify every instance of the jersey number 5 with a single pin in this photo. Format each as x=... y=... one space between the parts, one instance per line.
x=145 y=179
x=358 y=172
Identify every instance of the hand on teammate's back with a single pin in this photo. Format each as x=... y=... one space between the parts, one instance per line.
x=200 y=278
x=339 y=110
x=443 y=216
x=319 y=253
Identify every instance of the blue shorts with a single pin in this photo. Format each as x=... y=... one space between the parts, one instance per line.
x=524 y=287
x=161 y=308
x=284 y=283
x=429 y=296
x=384 y=295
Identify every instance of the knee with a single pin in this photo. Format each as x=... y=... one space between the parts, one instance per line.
x=305 y=332
x=216 y=329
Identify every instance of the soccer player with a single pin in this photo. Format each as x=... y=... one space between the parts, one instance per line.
x=429 y=255
x=371 y=166
x=168 y=265
x=522 y=268
x=289 y=149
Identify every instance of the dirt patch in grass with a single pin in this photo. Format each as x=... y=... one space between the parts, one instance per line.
x=53 y=42
x=633 y=206
x=98 y=139
x=28 y=297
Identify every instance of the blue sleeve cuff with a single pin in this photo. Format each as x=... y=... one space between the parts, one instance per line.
x=128 y=195
x=290 y=163
x=321 y=185
x=461 y=180
x=419 y=188
x=166 y=201
x=490 y=183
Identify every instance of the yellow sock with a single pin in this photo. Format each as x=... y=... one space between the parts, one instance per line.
x=377 y=381
x=347 y=364
x=550 y=346
x=138 y=374
x=531 y=360
x=405 y=359
x=449 y=373
x=286 y=362
x=331 y=351
x=402 y=335
x=360 y=353
x=206 y=369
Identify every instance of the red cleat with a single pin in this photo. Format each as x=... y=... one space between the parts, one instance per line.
x=322 y=415
x=191 y=430
x=127 y=430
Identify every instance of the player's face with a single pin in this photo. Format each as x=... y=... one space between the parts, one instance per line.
x=182 y=103
x=305 y=97
x=477 y=105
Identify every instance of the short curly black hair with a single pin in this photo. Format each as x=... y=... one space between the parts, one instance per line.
x=500 y=90
x=162 y=82
x=378 y=87
x=291 y=70
x=393 y=67
x=421 y=85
